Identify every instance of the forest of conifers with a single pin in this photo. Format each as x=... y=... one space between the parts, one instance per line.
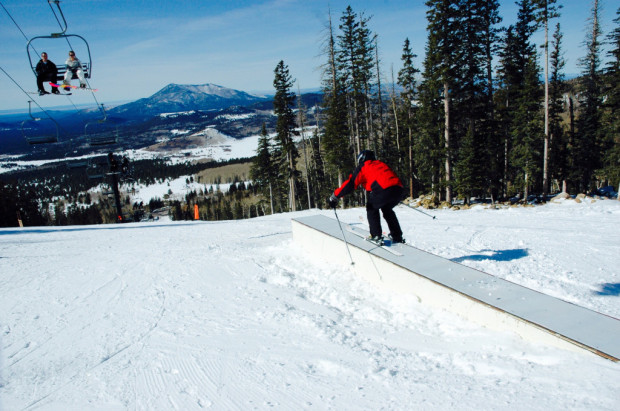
x=487 y=113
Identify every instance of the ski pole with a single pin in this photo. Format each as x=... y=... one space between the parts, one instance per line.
x=343 y=237
x=419 y=211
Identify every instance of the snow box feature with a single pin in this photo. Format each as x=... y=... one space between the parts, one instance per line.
x=480 y=297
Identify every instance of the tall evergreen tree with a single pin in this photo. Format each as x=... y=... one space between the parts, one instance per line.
x=262 y=170
x=491 y=136
x=558 y=143
x=519 y=102
x=546 y=10
x=587 y=145
x=443 y=26
x=283 y=104
x=472 y=110
x=355 y=55
x=428 y=150
x=611 y=116
x=407 y=80
x=335 y=143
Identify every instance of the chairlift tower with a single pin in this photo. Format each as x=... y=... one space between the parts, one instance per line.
x=114 y=173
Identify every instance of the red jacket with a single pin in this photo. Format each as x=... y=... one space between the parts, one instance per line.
x=374 y=175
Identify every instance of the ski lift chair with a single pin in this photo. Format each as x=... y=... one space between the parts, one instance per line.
x=87 y=63
x=34 y=123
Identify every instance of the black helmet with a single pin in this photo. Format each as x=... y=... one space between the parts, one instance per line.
x=365 y=155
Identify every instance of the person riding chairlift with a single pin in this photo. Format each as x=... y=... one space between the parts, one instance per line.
x=74 y=67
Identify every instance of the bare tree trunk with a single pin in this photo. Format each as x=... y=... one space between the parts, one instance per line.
x=381 y=119
x=393 y=97
x=410 y=160
x=303 y=139
x=291 y=182
x=270 y=199
x=546 y=143
x=505 y=179
x=446 y=107
x=525 y=189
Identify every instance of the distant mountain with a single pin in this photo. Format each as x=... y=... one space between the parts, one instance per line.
x=185 y=97
x=174 y=111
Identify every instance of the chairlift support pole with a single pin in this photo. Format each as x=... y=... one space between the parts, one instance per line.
x=57 y=3
x=114 y=172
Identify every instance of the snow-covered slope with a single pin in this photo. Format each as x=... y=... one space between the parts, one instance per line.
x=234 y=315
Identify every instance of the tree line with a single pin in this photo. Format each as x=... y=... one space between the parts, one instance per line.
x=55 y=194
x=487 y=113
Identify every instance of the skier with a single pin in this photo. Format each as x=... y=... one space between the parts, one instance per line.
x=74 y=66
x=385 y=192
x=46 y=71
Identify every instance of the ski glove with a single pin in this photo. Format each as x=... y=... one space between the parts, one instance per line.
x=332 y=201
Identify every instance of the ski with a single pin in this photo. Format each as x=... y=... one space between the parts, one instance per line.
x=364 y=235
x=71 y=86
x=36 y=93
x=405 y=244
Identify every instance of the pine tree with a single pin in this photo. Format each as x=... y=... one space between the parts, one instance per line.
x=443 y=26
x=335 y=141
x=472 y=118
x=587 y=146
x=519 y=101
x=407 y=80
x=546 y=10
x=317 y=171
x=306 y=149
x=354 y=57
x=491 y=138
x=262 y=170
x=558 y=160
x=283 y=103
x=527 y=130
x=427 y=151
x=611 y=116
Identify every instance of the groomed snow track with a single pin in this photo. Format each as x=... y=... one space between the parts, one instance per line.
x=480 y=297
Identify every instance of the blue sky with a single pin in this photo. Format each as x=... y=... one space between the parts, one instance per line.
x=140 y=46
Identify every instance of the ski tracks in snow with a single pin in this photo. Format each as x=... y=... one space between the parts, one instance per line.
x=237 y=316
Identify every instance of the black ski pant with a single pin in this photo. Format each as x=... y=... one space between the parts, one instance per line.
x=385 y=202
x=46 y=77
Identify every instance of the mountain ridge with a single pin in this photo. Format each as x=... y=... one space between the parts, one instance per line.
x=183 y=97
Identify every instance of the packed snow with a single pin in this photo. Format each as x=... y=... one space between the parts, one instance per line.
x=235 y=315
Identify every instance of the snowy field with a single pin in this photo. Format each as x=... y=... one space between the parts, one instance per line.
x=234 y=315
x=224 y=148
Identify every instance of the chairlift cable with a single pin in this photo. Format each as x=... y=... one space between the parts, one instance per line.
x=71 y=47
x=49 y=2
x=30 y=99
x=14 y=22
x=27 y=39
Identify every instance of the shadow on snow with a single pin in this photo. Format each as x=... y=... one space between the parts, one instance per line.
x=494 y=255
x=609 y=289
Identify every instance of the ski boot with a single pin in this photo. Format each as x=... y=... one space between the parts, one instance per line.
x=376 y=239
x=396 y=240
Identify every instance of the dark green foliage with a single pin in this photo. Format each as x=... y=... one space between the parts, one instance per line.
x=587 y=146
x=286 y=153
x=263 y=171
x=451 y=129
x=15 y=199
x=559 y=142
x=611 y=110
